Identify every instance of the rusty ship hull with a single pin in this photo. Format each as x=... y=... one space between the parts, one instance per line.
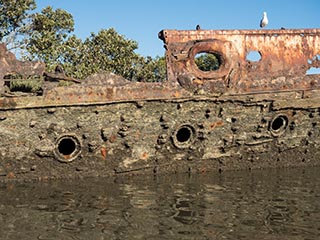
x=246 y=114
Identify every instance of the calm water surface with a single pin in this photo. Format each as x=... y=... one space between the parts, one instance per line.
x=268 y=204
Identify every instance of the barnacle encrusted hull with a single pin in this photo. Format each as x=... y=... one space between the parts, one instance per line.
x=242 y=113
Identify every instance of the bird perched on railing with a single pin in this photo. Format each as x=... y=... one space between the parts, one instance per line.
x=264 y=21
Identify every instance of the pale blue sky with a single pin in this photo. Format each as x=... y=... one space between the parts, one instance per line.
x=142 y=20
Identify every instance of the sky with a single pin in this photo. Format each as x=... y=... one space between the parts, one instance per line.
x=141 y=20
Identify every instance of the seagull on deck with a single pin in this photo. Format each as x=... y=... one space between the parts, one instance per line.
x=264 y=21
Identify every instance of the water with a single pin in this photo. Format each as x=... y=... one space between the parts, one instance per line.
x=268 y=204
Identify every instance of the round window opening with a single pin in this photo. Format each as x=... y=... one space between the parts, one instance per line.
x=208 y=61
x=184 y=136
x=67 y=148
x=278 y=125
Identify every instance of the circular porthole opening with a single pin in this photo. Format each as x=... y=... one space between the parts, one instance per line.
x=278 y=125
x=184 y=136
x=67 y=148
x=208 y=61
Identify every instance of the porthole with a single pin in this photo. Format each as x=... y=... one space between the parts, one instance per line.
x=184 y=136
x=278 y=125
x=67 y=148
x=208 y=61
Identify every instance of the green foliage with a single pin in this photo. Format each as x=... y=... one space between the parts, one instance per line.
x=13 y=18
x=48 y=37
x=110 y=52
x=207 y=61
x=26 y=85
x=149 y=70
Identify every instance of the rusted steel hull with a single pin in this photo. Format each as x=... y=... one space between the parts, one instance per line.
x=157 y=137
x=285 y=57
x=243 y=115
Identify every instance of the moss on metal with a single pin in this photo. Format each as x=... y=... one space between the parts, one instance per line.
x=26 y=85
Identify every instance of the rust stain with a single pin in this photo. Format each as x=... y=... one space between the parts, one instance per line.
x=238 y=91
x=103 y=152
x=144 y=156
x=216 y=124
x=11 y=175
x=285 y=56
x=112 y=138
x=9 y=64
x=177 y=94
x=198 y=82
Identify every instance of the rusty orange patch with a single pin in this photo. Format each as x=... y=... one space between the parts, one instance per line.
x=176 y=94
x=216 y=124
x=197 y=81
x=11 y=175
x=144 y=156
x=103 y=151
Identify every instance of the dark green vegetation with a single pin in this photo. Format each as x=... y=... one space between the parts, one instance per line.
x=47 y=35
x=208 y=61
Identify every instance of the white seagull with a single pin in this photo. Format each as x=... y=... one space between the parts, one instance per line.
x=264 y=21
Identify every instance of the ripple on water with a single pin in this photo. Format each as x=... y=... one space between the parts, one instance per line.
x=271 y=204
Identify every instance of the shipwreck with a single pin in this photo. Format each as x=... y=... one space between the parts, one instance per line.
x=244 y=113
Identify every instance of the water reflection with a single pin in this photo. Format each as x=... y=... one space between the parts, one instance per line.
x=269 y=204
